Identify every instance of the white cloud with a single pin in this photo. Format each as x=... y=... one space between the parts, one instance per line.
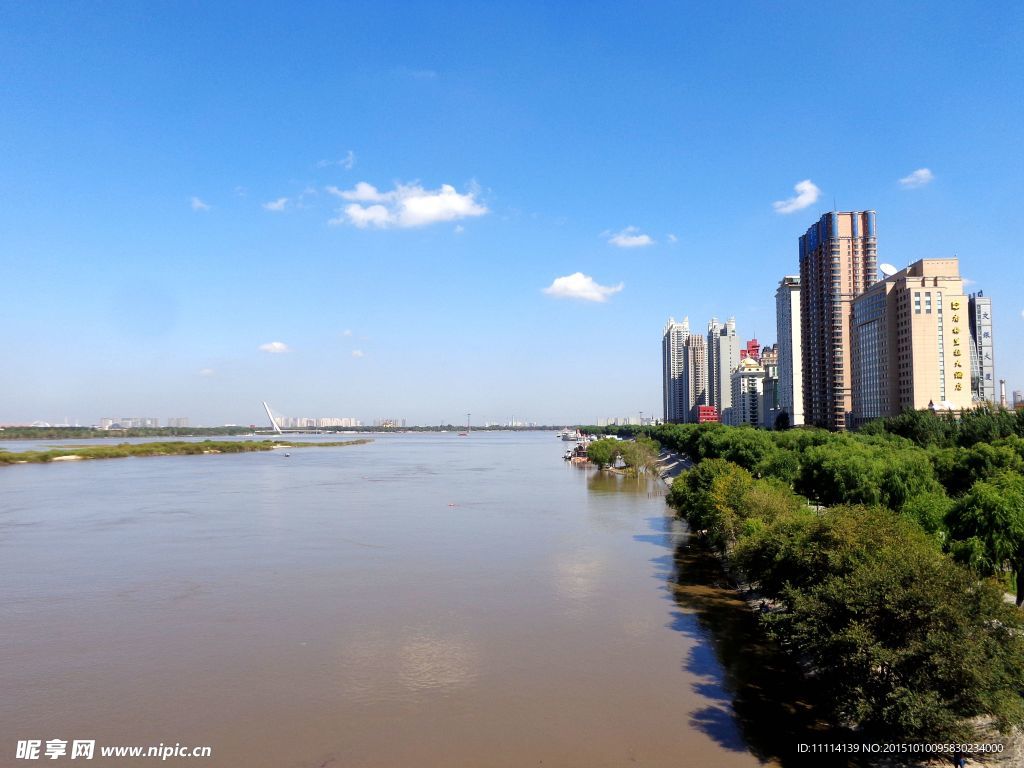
x=347 y=332
x=630 y=237
x=407 y=205
x=347 y=162
x=357 y=353
x=806 y=194
x=207 y=372
x=459 y=229
x=672 y=238
x=1022 y=314
x=276 y=206
x=918 y=178
x=420 y=74
x=199 y=205
x=361 y=192
x=580 y=286
x=274 y=347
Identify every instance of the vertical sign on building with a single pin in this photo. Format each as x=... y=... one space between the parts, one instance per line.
x=955 y=307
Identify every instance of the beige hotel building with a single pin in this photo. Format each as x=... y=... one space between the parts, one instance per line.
x=910 y=342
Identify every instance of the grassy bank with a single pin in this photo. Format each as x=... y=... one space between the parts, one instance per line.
x=170 y=448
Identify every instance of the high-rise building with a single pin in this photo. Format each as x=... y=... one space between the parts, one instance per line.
x=723 y=352
x=695 y=377
x=791 y=370
x=179 y=422
x=769 y=410
x=910 y=342
x=684 y=371
x=837 y=263
x=983 y=373
x=673 y=341
x=747 y=383
x=1018 y=398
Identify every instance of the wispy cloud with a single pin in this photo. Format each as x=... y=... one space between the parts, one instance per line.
x=672 y=238
x=274 y=347
x=206 y=372
x=276 y=206
x=357 y=353
x=348 y=162
x=347 y=332
x=630 y=237
x=580 y=286
x=407 y=205
x=806 y=194
x=459 y=229
x=420 y=74
x=199 y=205
x=918 y=178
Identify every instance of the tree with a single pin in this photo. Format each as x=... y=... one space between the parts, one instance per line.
x=603 y=452
x=909 y=645
x=640 y=454
x=959 y=468
x=989 y=518
x=857 y=471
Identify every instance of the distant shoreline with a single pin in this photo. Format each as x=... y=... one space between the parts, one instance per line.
x=84 y=433
x=181 y=448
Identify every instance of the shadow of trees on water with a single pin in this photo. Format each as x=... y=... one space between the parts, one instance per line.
x=761 y=701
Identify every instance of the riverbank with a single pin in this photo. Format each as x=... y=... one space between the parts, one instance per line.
x=698 y=497
x=177 y=448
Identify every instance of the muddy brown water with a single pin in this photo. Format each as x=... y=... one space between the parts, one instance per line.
x=426 y=600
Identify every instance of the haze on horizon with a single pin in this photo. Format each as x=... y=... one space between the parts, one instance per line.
x=422 y=210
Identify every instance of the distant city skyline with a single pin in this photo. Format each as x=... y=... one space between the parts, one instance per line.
x=430 y=209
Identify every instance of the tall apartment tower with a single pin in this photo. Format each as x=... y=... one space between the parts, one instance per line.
x=673 y=344
x=695 y=377
x=723 y=357
x=910 y=343
x=838 y=257
x=770 y=391
x=791 y=366
x=983 y=374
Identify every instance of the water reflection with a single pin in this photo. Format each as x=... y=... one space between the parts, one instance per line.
x=429 y=661
x=379 y=666
x=578 y=574
x=752 y=685
x=614 y=482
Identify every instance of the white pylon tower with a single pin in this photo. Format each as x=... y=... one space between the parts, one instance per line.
x=273 y=422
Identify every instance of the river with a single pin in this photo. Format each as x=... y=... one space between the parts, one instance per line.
x=425 y=600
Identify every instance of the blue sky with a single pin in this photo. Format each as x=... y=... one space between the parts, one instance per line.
x=387 y=189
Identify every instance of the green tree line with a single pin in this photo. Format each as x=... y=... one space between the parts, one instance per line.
x=884 y=555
